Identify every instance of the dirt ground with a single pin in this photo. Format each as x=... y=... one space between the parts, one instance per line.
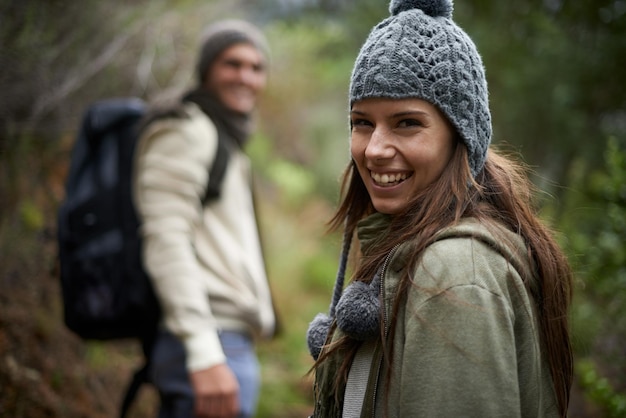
x=45 y=370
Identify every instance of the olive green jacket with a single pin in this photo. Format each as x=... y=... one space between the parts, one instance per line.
x=466 y=340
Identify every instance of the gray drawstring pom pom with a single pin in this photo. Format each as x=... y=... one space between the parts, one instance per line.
x=358 y=310
x=318 y=328
x=317 y=333
x=433 y=8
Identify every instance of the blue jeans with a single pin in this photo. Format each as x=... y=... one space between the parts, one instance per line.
x=169 y=373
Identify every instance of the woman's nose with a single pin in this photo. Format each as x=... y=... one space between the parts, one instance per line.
x=379 y=145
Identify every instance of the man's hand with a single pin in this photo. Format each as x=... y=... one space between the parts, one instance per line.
x=216 y=392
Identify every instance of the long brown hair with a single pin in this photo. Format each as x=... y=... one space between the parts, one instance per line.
x=501 y=193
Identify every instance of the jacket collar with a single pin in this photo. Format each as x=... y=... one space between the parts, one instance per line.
x=372 y=230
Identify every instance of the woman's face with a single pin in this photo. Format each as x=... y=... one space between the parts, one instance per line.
x=400 y=146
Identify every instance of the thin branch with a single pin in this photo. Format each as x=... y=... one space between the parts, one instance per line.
x=79 y=78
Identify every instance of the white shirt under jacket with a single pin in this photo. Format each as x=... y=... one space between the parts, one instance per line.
x=205 y=262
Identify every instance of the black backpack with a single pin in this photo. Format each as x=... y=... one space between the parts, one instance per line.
x=106 y=292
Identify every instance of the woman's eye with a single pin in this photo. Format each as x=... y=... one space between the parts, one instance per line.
x=406 y=123
x=360 y=122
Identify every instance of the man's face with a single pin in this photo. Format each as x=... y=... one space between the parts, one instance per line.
x=237 y=76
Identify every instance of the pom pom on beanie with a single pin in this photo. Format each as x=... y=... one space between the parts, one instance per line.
x=432 y=8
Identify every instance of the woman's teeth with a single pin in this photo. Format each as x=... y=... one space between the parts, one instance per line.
x=388 y=178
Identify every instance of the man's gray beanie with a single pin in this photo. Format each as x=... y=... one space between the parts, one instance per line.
x=223 y=34
x=419 y=52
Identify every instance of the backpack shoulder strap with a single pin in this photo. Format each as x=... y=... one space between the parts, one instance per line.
x=141 y=375
x=217 y=172
x=219 y=165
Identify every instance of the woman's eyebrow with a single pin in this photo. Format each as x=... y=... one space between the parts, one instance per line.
x=410 y=113
x=402 y=113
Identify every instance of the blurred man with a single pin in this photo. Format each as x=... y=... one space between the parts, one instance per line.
x=205 y=259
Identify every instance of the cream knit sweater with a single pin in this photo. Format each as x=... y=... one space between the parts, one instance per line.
x=205 y=262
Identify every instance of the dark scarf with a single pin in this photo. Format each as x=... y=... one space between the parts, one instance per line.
x=233 y=129
x=232 y=126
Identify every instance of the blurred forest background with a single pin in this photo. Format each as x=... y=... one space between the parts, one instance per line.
x=556 y=71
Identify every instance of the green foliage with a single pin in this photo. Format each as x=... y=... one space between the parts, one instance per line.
x=295 y=182
x=553 y=71
x=600 y=391
x=320 y=272
x=304 y=111
x=594 y=218
x=31 y=215
x=96 y=355
x=301 y=260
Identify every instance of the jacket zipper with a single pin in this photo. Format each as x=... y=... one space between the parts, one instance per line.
x=384 y=314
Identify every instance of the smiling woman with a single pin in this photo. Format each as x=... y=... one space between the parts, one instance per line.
x=399 y=147
x=459 y=299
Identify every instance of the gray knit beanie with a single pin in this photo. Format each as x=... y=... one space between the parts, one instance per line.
x=223 y=34
x=419 y=52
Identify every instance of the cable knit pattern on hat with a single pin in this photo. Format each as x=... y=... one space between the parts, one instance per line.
x=419 y=52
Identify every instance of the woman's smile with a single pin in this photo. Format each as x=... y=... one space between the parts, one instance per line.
x=389 y=179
